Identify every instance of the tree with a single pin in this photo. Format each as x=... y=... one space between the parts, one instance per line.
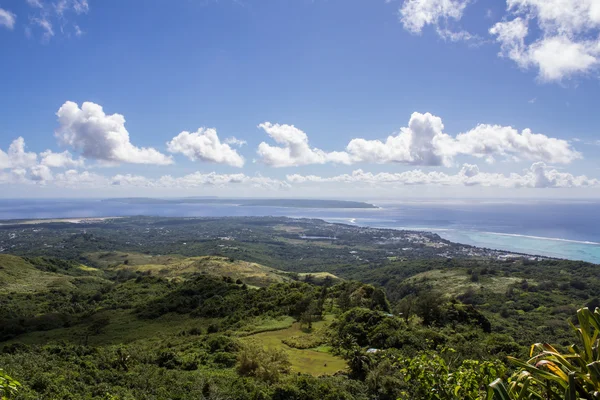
x=379 y=301
x=265 y=364
x=428 y=307
x=359 y=362
x=313 y=313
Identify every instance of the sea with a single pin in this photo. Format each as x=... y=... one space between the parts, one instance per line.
x=567 y=229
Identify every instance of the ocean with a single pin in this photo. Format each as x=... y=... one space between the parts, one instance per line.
x=563 y=229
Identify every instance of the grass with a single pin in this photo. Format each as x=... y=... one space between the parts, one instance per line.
x=316 y=361
x=457 y=281
x=175 y=266
x=115 y=258
x=318 y=275
x=123 y=328
x=17 y=275
x=289 y=228
x=251 y=273
x=259 y=325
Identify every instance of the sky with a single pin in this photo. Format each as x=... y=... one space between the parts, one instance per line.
x=300 y=98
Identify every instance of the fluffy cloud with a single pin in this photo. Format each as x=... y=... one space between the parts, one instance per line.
x=569 y=44
x=539 y=175
x=17 y=157
x=563 y=42
x=60 y=160
x=199 y=179
x=294 y=149
x=204 y=145
x=419 y=144
x=20 y=166
x=102 y=137
x=495 y=140
x=416 y=14
x=78 y=179
x=7 y=19
x=422 y=142
x=41 y=173
x=569 y=40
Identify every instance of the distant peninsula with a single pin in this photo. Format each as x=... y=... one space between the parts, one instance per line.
x=291 y=203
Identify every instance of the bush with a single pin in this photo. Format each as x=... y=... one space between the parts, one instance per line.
x=265 y=364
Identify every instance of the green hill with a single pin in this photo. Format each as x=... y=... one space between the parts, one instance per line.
x=19 y=275
x=178 y=267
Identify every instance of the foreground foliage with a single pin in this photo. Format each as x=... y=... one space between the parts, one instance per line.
x=8 y=386
x=551 y=374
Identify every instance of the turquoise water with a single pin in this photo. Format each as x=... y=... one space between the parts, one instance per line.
x=551 y=247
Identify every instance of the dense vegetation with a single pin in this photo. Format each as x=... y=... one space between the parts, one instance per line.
x=259 y=313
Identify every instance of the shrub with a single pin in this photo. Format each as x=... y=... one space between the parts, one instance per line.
x=265 y=364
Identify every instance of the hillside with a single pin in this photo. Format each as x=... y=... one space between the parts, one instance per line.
x=252 y=308
x=174 y=266
x=18 y=275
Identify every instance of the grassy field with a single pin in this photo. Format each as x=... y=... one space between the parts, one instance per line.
x=18 y=275
x=175 y=266
x=457 y=281
x=316 y=361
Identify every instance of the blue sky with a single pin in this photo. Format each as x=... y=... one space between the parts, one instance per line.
x=332 y=78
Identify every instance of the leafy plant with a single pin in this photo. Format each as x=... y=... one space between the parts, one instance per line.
x=550 y=374
x=8 y=386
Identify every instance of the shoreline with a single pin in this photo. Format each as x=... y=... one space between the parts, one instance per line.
x=72 y=220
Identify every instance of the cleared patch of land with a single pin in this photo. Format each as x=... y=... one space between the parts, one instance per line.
x=289 y=228
x=315 y=361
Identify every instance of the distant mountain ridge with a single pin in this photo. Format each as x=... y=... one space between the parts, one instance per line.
x=292 y=203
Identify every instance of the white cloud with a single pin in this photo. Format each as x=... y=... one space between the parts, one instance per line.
x=416 y=14
x=569 y=41
x=60 y=160
x=204 y=145
x=417 y=144
x=81 y=6
x=7 y=19
x=539 y=175
x=17 y=175
x=295 y=150
x=75 y=179
x=563 y=42
x=199 y=179
x=16 y=156
x=235 y=141
x=102 y=137
x=41 y=173
x=35 y=3
x=495 y=140
x=46 y=14
x=422 y=142
x=46 y=26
